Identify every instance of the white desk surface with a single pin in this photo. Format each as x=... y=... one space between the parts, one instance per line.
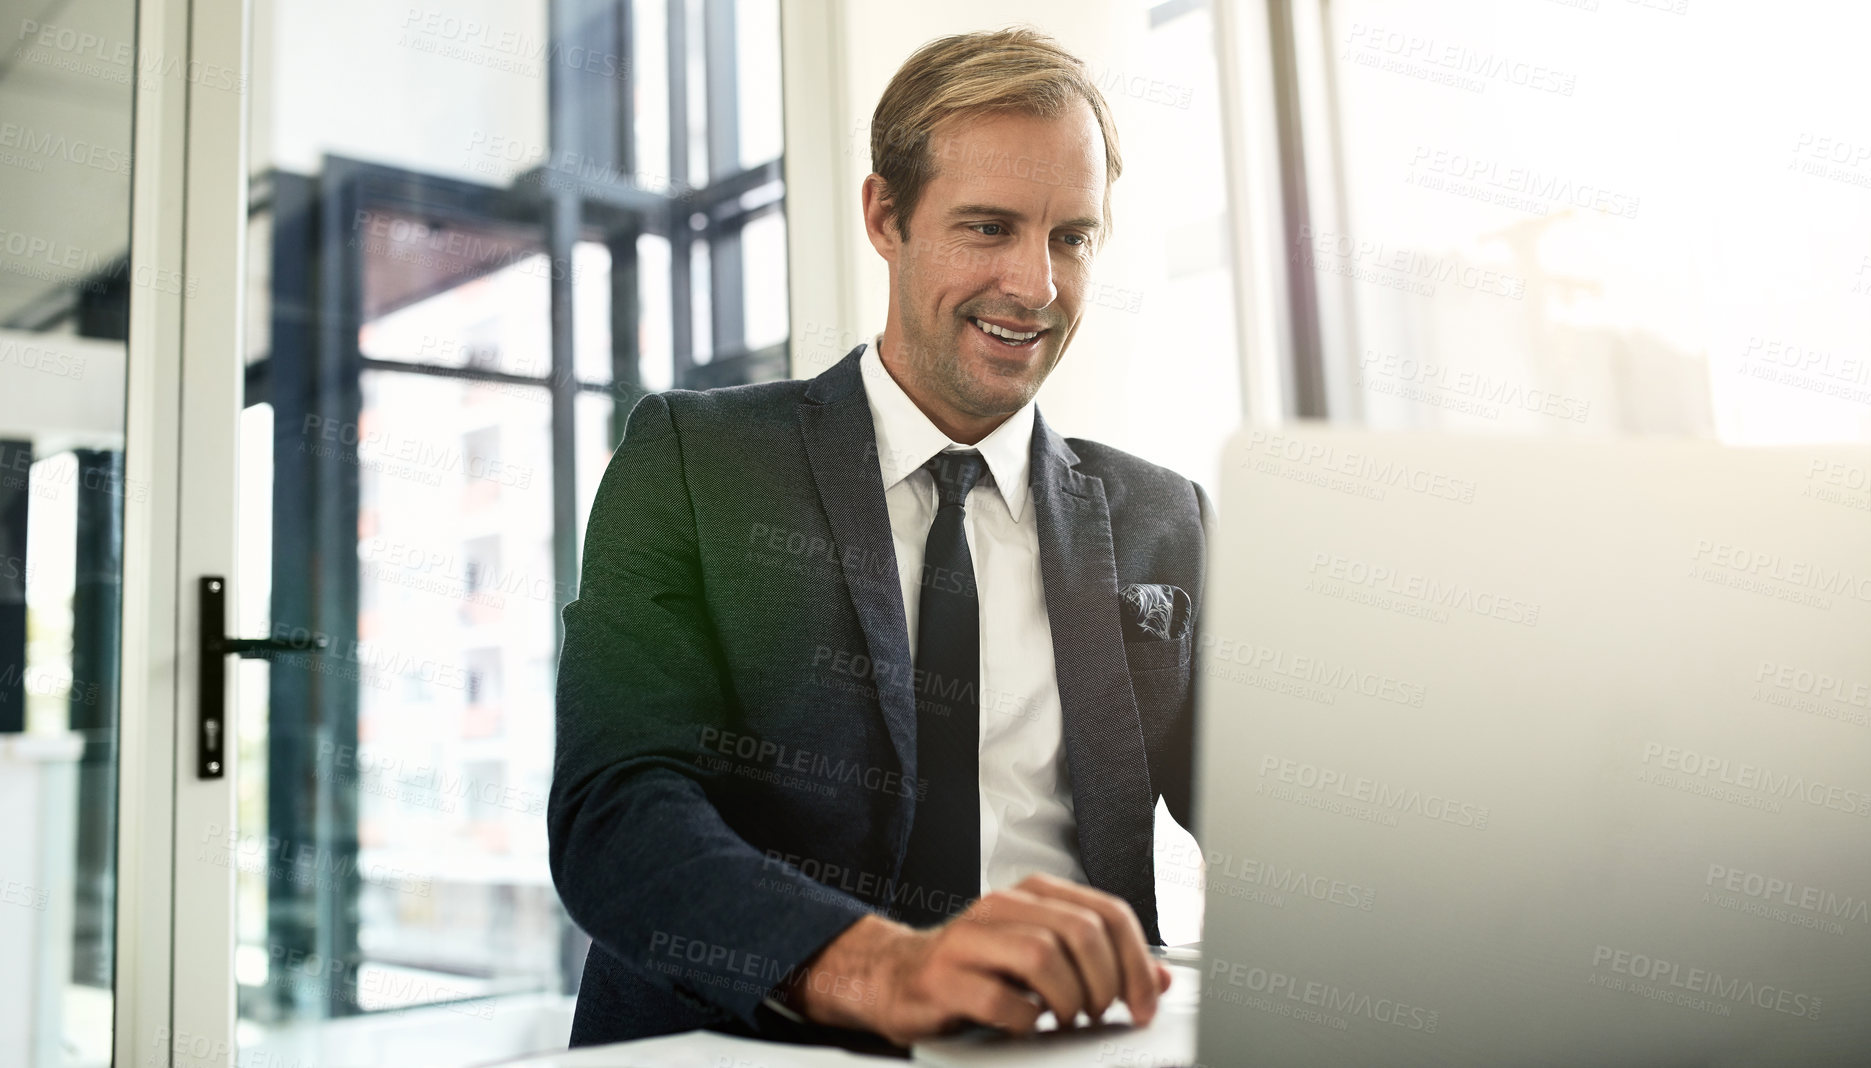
x=702 y=1049
x=1170 y=1039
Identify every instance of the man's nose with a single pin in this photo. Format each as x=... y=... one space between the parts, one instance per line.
x=1026 y=275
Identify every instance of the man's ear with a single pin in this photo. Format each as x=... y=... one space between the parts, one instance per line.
x=880 y=221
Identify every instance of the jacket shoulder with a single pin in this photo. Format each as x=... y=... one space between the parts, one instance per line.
x=1131 y=475
x=730 y=411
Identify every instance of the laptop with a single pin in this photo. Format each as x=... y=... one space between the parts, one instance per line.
x=1524 y=751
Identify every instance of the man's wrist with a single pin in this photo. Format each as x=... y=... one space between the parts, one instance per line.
x=841 y=984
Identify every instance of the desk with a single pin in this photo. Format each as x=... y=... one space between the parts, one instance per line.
x=1170 y=1039
x=703 y=1049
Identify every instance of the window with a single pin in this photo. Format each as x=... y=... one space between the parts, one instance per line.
x=462 y=295
x=1580 y=217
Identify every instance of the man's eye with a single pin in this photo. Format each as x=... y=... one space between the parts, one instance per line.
x=988 y=229
x=1074 y=240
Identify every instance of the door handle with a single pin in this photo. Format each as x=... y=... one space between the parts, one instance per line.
x=216 y=646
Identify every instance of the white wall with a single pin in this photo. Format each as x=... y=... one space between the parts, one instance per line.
x=1162 y=382
x=453 y=84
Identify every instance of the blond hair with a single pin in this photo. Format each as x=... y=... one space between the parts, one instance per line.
x=1017 y=70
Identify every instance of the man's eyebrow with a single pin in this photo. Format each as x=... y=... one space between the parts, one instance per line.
x=1083 y=222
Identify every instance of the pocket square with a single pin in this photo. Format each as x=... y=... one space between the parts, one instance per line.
x=1154 y=609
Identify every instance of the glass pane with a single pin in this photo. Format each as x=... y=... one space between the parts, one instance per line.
x=493 y=321
x=655 y=344
x=455 y=637
x=597 y=437
x=701 y=302
x=591 y=312
x=697 y=79
x=762 y=135
x=1546 y=232
x=763 y=256
x=400 y=496
x=67 y=83
x=650 y=110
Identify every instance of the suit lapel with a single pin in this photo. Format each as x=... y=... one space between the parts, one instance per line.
x=841 y=446
x=1111 y=796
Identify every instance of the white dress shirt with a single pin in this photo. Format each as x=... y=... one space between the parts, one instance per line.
x=1027 y=824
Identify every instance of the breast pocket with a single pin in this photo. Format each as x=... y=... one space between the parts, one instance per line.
x=1159 y=668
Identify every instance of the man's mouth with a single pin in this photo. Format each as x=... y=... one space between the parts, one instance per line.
x=1013 y=339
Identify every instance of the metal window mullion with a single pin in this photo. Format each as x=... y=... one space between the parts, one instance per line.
x=725 y=272
x=1309 y=397
x=681 y=322
x=626 y=296
x=337 y=394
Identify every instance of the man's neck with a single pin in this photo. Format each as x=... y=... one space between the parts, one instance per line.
x=960 y=427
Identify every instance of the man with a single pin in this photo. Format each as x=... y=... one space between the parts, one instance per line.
x=874 y=681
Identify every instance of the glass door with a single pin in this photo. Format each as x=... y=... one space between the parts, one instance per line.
x=92 y=285
x=474 y=235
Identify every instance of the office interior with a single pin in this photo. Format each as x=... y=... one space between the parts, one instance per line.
x=434 y=251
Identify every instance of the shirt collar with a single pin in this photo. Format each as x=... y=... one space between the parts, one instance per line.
x=906 y=439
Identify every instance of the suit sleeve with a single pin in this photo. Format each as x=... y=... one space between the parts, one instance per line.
x=642 y=859
x=1179 y=788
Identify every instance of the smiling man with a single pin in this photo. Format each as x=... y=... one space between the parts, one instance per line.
x=874 y=681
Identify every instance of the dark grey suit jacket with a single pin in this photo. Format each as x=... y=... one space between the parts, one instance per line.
x=736 y=765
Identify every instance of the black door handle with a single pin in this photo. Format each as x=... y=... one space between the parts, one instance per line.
x=211 y=725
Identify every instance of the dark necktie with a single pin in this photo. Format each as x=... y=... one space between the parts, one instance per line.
x=942 y=869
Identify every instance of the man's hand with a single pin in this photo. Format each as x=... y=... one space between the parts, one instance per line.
x=1045 y=944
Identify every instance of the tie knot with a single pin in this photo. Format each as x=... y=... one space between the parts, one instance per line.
x=955 y=473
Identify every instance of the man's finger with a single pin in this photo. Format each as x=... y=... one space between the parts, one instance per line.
x=1030 y=953
x=981 y=997
x=1081 y=930
x=1139 y=979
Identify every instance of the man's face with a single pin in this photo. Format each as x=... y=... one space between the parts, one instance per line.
x=1002 y=237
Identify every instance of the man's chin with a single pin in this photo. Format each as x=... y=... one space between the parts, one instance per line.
x=998 y=401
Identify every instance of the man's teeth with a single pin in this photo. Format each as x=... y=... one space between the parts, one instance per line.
x=1005 y=335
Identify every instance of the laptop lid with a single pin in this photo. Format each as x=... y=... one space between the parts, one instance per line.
x=1524 y=751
